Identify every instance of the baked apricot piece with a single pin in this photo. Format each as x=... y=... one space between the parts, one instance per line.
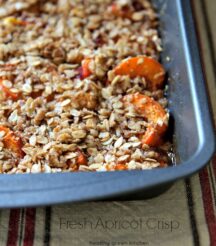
x=81 y=158
x=118 y=167
x=8 y=92
x=85 y=71
x=14 y=21
x=154 y=113
x=151 y=137
x=12 y=142
x=143 y=66
x=121 y=167
x=118 y=11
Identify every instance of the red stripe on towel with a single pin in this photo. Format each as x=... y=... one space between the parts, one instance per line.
x=13 y=227
x=29 y=227
x=214 y=164
x=208 y=205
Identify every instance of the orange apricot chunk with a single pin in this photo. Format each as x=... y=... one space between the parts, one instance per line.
x=143 y=66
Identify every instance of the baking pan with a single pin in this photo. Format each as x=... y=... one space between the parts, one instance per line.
x=193 y=130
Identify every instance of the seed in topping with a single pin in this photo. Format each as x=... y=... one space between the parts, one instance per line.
x=2 y=134
x=7 y=83
x=123 y=158
x=117 y=105
x=104 y=135
x=137 y=16
x=78 y=134
x=36 y=168
x=119 y=142
x=126 y=146
x=112 y=119
x=65 y=102
x=27 y=88
x=92 y=151
x=75 y=113
x=99 y=158
x=108 y=141
x=109 y=158
x=13 y=117
x=91 y=123
x=64 y=137
x=70 y=156
x=39 y=116
x=33 y=140
x=42 y=140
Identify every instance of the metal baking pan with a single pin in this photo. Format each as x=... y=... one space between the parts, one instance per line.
x=193 y=130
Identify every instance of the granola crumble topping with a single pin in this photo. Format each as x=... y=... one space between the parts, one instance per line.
x=67 y=103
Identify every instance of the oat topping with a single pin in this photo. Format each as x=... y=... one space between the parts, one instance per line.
x=81 y=88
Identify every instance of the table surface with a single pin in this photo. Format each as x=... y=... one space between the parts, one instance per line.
x=184 y=215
